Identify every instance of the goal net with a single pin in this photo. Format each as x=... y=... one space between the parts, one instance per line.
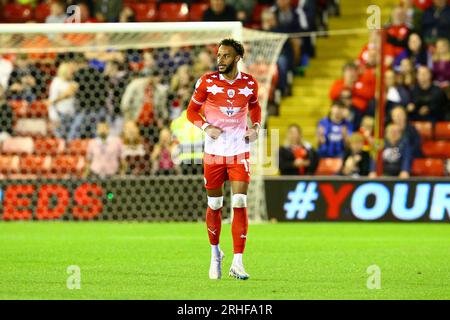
x=93 y=122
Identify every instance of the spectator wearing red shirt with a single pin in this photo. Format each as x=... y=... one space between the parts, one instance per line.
x=362 y=87
x=397 y=33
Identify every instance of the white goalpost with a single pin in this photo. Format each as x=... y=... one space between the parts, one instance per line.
x=262 y=51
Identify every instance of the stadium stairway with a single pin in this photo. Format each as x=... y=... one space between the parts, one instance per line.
x=310 y=102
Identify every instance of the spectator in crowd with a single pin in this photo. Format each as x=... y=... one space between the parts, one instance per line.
x=288 y=21
x=168 y=60
x=356 y=161
x=149 y=64
x=145 y=102
x=372 y=44
x=297 y=157
x=25 y=82
x=219 y=11
x=362 y=90
x=397 y=33
x=203 y=63
x=351 y=114
x=243 y=8
x=285 y=62
x=104 y=154
x=413 y=14
x=180 y=91
x=134 y=150
x=61 y=100
x=397 y=155
x=6 y=68
x=441 y=64
x=57 y=13
x=6 y=116
x=164 y=155
x=333 y=132
x=107 y=10
x=415 y=51
x=90 y=100
x=395 y=94
x=127 y=15
x=436 y=21
x=118 y=79
x=406 y=75
x=85 y=9
x=189 y=144
x=429 y=102
x=367 y=131
x=409 y=133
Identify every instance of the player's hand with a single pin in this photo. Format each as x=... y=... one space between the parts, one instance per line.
x=213 y=132
x=251 y=135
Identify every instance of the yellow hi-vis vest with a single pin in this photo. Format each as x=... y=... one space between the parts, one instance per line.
x=190 y=139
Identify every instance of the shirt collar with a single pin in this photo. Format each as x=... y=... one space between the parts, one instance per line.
x=238 y=76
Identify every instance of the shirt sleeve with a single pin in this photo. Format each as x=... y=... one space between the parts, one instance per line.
x=254 y=106
x=195 y=105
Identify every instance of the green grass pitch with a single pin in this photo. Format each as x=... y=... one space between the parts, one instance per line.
x=171 y=261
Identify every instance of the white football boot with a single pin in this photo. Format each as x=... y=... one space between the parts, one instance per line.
x=215 y=269
x=238 y=272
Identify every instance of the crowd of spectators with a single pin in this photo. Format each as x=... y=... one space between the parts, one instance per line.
x=417 y=91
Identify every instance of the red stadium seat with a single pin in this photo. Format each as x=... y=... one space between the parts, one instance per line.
x=42 y=11
x=144 y=12
x=67 y=165
x=18 y=145
x=329 y=166
x=9 y=164
x=442 y=130
x=19 y=107
x=196 y=11
x=38 y=109
x=436 y=149
x=173 y=12
x=48 y=146
x=428 y=167
x=78 y=147
x=17 y=13
x=32 y=164
x=257 y=12
x=425 y=129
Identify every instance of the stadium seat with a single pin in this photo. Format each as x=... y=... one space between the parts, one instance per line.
x=32 y=164
x=37 y=109
x=67 y=165
x=78 y=147
x=436 y=149
x=41 y=12
x=425 y=129
x=173 y=12
x=196 y=11
x=18 y=145
x=9 y=164
x=442 y=130
x=31 y=126
x=257 y=12
x=17 y=13
x=144 y=12
x=19 y=107
x=48 y=146
x=329 y=166
x=428 y=167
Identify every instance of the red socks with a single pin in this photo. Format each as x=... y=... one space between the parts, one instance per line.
x=239 y=229
x=214 y=224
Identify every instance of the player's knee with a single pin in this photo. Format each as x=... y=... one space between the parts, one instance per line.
x=239 y=200
x=215 y=203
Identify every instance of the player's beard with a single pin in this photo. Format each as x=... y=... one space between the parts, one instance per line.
x=228 y=69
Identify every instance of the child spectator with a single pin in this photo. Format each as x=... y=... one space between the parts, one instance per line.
x=57 y=14
x=164 y=155
x=356 y=161
x=333 y=131
x=134 y=150
x=367 y=131
x=297 y=157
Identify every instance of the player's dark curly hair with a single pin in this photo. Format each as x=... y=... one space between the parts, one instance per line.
x=238 y=47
